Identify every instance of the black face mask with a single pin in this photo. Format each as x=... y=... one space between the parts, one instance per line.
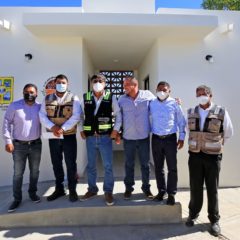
x=29 y=97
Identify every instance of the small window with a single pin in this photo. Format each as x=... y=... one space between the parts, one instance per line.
x=115 y=81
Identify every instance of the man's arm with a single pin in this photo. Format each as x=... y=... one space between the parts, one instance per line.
x=227 y=127
x=181 y=123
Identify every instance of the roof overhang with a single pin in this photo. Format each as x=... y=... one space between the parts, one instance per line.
x=126 y=37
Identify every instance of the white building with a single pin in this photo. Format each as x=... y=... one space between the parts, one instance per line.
x=123 y=35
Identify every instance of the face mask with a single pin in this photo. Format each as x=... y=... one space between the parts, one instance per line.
x=203 y=100
x=98 y=87
x=162 y=95
x=61 y=87
x=29 y=97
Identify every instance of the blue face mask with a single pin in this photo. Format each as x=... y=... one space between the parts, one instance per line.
x=60 y=87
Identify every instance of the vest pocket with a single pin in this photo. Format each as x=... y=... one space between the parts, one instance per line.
x=50 y=111
x=67 y=112
x=214 y=125
x=192 y=124
x=192 y=141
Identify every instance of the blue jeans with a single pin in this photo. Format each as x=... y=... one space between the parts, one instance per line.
x=21 y=153
x=104 y=144
x=143 y=149
x=68 y=147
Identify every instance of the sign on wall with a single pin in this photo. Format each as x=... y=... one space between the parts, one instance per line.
x=6 y=90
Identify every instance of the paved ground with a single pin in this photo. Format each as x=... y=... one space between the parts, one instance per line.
x=229 y=209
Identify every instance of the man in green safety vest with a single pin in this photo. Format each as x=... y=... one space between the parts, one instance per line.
x=100 y=110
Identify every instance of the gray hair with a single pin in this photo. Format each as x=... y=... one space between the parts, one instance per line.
x=131 y=79
x=207 y=89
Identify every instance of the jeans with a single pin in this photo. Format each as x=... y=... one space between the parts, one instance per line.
x=143 y=149
x=165 y=148
x=21 y=153
x=103 y=143
x=68 y=147
x=204 y=168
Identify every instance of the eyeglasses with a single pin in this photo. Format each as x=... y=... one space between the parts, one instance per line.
x=98 y=80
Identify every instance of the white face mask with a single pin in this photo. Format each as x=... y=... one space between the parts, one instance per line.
x=203 y=100
x=60 y=87
x=98 y=87
x=162 y=95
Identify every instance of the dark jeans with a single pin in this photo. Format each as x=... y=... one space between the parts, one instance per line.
x=130 y=148
x=68 y=147
x=21 y=153
x=165 y=148
x=204 y=168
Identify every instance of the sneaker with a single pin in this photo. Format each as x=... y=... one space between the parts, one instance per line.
x=159 y=197
x=171 y=200
x=14 y=206
x=73 y=197
x=35 y=198
x=148 y=195
x=109 y=199
x=88 y=195
x=127 y=195
x=215 y=229
x=56 y=194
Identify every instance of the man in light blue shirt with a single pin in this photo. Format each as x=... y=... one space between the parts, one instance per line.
x=167 y=120
x=134 y=105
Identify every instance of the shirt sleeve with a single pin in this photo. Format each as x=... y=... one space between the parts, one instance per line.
x=44 y=118
x=227 y=127
x=7 y=124
x=117 y=113
x=81 y=122
x=181 y=122
x=75 y=118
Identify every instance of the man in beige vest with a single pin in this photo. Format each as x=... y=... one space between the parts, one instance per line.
x=209 y=128
x=60 y=113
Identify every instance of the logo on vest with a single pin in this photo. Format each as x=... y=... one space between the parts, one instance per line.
x=49 y=86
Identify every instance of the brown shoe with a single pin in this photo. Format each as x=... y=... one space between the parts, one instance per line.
x=109 y=199
x=87 y=196
x=127 y=195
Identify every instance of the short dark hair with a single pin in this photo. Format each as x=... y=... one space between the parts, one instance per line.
x=98 y=76
x=164 y=84
x=207 y=89
x=61 y=76
x=30 y=85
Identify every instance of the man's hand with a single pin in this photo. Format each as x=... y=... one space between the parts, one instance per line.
x=9 y=148
x=114 y=134
x=57 y=131
x=83 y=135
x=118 y=139
x=178 y=101
x=180 y=144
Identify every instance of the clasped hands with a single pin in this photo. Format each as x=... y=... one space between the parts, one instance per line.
x=57 y=131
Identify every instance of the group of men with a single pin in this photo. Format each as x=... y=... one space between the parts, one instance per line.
x=102 y=118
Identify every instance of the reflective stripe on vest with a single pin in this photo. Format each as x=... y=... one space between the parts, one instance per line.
x=87 y=128
x=104 y=126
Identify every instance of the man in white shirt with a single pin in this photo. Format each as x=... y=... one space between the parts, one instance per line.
x=209 y=128
x=60 y=112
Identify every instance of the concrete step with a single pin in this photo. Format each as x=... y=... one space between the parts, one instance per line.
x=93 y=212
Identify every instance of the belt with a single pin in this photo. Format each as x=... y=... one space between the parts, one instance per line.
x=28 y=142
x=164 y=136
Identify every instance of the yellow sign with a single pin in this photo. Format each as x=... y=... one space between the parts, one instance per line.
x=6 y=90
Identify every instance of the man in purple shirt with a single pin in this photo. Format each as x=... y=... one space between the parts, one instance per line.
x=21 y=132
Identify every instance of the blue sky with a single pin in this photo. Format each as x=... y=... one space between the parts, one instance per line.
x=76 y=3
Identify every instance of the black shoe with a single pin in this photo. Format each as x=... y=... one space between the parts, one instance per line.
x=14 y=206
x=171 y=200
x=35 y=198
x=215 y=229
x=127 y=195
x=56 y=194
x=190 y=222
x=159 y=197
x=73 y=197
x=148 y=194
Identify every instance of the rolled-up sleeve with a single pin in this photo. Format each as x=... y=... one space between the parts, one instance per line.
x=117 y=113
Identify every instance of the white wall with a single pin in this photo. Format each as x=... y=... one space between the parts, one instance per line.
x=182 y=63
x=119 y=6
x=51 y=56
